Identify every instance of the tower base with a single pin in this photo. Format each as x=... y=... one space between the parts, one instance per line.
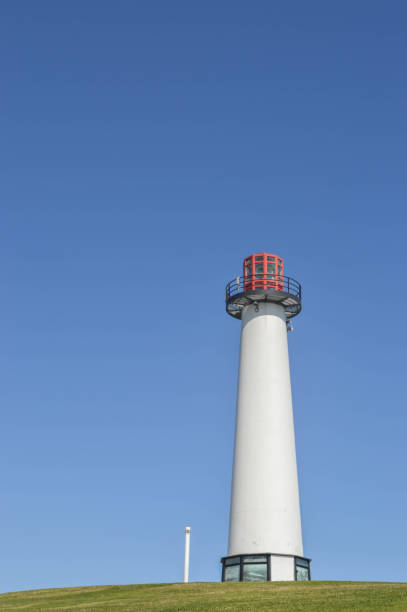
x=265 y=567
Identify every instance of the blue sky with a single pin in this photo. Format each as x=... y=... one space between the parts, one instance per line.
x=147 y=148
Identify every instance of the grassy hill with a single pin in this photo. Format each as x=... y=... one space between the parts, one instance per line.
x=204 y=596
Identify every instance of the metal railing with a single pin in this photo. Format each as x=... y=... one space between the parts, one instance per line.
x=263 y=282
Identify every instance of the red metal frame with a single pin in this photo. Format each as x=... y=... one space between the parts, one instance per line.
x=263 y=271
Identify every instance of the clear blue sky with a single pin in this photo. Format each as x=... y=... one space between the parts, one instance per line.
x=146 y=148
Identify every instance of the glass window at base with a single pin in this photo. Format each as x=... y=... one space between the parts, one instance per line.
x=254 y=572
x=232 y=573
x=302 y=569
x=232 y=561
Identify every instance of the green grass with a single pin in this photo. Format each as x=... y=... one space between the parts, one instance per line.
x=206 y=596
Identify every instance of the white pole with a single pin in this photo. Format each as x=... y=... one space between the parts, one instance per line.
x=186 y=564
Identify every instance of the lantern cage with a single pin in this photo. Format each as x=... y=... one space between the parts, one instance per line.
x=263 y=280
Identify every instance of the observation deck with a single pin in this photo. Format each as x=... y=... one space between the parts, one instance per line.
x=256 y=288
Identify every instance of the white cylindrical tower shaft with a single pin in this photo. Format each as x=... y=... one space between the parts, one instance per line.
x=265 y=509
x=186 y=559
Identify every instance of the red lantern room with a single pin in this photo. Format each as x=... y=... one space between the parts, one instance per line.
x=263 y=281
x=263 y=271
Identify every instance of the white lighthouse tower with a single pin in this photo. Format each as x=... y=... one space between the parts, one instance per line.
x=265 y=540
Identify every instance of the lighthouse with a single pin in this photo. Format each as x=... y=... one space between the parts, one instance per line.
x=265 y=539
